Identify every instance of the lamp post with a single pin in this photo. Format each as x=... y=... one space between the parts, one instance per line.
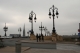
x=54 y=12
x=41 y=28
x=31 y=20
x=19 y=31
x=28 y=34
x=45 y=29
x=5 y=29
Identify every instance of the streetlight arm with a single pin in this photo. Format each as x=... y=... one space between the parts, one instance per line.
x=50 y=8
x=56 y=8
x=29 y=14
x=53 y=8
x=34 y=14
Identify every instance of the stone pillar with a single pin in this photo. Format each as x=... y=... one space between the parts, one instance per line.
x=18 y=47
x=32 y=37
x=54 y=37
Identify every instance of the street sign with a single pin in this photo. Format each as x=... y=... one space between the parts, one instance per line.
x=79 y=34
x=78 y=30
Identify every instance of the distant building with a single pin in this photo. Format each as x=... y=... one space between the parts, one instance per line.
x=15 y=35
x=70 y=37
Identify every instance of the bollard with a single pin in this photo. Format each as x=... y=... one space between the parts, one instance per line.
x=18 y=47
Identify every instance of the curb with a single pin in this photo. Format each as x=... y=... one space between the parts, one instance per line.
x=40 y=42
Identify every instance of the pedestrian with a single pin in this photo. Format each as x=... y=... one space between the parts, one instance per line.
x=42 y=37
x=52 y=38
x=37 y=37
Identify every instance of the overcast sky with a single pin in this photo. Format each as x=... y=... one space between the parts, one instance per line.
x=16 y=12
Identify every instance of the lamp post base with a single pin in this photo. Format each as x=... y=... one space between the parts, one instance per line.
x=54 y=37
x=5 y=33
x=32 y=32
x=53 y=31
x=32 y=37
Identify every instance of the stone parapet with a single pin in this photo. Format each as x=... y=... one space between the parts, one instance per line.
x=32 y=37
x=59 y=38
x=53 y=37
x=47 y=37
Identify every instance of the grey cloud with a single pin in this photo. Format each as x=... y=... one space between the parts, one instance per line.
x=5 y=18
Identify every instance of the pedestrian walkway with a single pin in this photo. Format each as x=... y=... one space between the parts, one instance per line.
x=9 y=49
x=32 y=50
x=51 y=51
x=61 y=48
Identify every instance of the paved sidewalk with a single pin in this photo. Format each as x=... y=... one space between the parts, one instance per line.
x=32 y=50
x=50 y=51
x=45 y=41
x=9 y=49
x=24 y=40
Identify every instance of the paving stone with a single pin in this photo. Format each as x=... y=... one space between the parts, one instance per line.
x=50 y=51
x=9 y=49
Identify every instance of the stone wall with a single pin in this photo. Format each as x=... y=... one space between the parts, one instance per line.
x=47 y=37
x=53 y=37
x=32 y=37
x=59 y=38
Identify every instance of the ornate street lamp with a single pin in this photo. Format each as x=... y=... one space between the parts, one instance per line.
x=5 y=29
x=53 y=14
x=45 y=29
x=31 y=20
x=41 y=28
